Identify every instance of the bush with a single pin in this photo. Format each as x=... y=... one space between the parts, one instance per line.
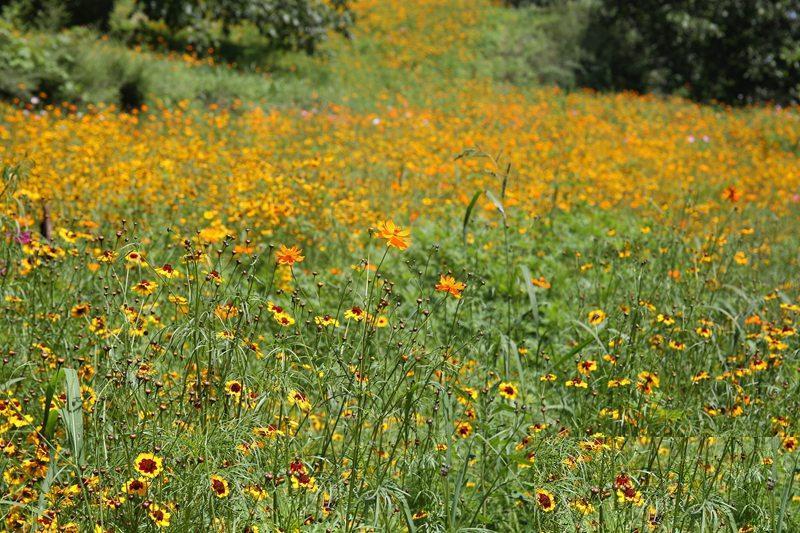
x=69 y=67
x=734 y=51
x=57 y=14
x=730 y=50
x=535 y=45
x=287 y=24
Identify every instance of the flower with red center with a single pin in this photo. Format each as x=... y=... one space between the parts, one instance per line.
x=289 y=256
x=464 y=429
x=508 y=390
x=135 y=486
x=145 y=287
x=220 y=486
x=545 y=500
x=304 y=481
x=449 y=285
x=587 y=367
x=148 y=465
x=159 y=515
x=395 y=236
x=233 y=388
x=789 y=443
x=355 y=313
x=167 y=271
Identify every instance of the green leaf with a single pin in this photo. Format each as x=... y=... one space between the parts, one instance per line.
x=72 y=413
x=470 y=207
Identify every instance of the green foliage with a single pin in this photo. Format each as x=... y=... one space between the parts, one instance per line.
x=732 y=51
x=287 y=24
x=56 y=14
x=536 y=45
x=69 y=67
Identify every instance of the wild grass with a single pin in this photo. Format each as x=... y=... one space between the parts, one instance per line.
x=406 y=298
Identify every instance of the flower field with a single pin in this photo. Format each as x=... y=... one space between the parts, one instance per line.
x=426 y=303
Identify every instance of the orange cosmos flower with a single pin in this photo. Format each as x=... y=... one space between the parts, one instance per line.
x=731 y=194
x=289 y=256
x=449 y=285
x=395 y=236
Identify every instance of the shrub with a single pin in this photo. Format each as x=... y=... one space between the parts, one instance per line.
x=287 y=24
x=732 y=51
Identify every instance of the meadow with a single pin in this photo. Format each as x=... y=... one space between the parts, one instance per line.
x=383 y=291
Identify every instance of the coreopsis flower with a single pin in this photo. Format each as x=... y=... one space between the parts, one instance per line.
x=283 y=319
x=449 y=285
x=395 y=236
x=304 y=481
x=80 y=310
x=166 y=271
x=145 y=287
x=326 y=321
x=136 y=486
x=299 y=399
x=355 y=313
x=233 y=388
x=596 y=317
x=790 y=443
x=134 y=258
x=159 y=515
x=508 y=390
x=463 y=429
x=220 y=486
x=545 y=500
x=647 y=382
x=289 y=256
x=587 y=367
x=148 y=465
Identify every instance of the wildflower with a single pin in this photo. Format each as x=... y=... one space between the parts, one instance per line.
x=289 y=256
x=326 y=321
x=596 y=317
x=136 y=486
x=731 y=194
x=395 y=236
x=545 y=500
x=789 y=443
x=540 y=282
x=148 y=465
x=220 y=486
x=167 y=271
x=508 y=391
x=587 y=367
x=233 y=388
x=300 y=400
x=134 y=258
x=145 y=288
x=463 y=429
x=355 y=313
x=449 y=285
x=159 y=515
x=647 y=382
x=80 y=310
x=304 y=481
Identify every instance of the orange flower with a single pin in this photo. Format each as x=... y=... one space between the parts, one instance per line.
x=731 y=194
x=289 y=256
x=395 y=236
x=450 y=285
